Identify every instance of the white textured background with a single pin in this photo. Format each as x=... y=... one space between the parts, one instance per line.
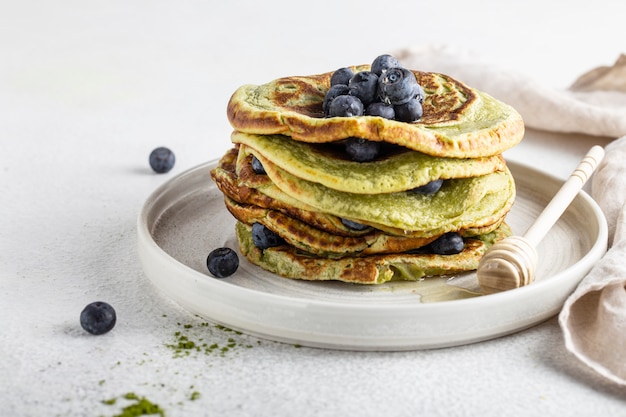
x=88 y=89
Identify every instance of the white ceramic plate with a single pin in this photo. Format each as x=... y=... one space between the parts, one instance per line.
x=185 y=218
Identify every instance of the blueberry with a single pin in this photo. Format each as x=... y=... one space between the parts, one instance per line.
x=384 y=62
x=98 y=318
x=222 y=262
x=420 y=95
x=362 y=150
x=409 y=111
x=162 y=160
x=364 y=85
x=380 y=109
x=354 y=225
x=448 y=244
x=264 y=238
x=332 y=93
x=341 y=76
x=257 y=166
x=397 y=86
x=430 y=188
x=345 y=106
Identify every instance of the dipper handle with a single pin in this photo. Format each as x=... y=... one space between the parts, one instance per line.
x=563 y=198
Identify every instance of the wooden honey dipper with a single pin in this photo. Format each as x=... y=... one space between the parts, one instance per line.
x=511 y=262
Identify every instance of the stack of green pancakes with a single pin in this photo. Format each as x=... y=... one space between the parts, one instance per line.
x=306 y=210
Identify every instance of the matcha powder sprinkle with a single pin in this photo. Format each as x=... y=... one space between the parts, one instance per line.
x=184 y=345
x=140 y=406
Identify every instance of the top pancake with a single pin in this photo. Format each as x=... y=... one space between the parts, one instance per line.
x=458 y=121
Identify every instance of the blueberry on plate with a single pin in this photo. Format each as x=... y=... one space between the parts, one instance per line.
x=364 y=85
x=448 y=244
x=162 y=160
x=384 y=62
x=345 y=106
x=264 y=238
x=222 y=262
x=362 y=150
x=341 y=76
x=380 y=109
x=410 y=111
x=397 y=86
x=257 y=166
x=430 y=188
x=332 y=93
x=98 y=318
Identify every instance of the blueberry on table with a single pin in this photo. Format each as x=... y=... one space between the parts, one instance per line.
x=341 y=76
x=162 y=160
x=410 y=111
x=345 y=106
x=364 y=85
x=222 y=262
x=448 y=244
x=381 y=109
x=397 y=86
x=98 y=318
x=362 y=150
x=264 y=238
x=430 y=188
x=383 y=62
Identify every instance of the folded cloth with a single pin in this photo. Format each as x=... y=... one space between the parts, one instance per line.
x=608 y=185
x=593 y=318
x=595 y=104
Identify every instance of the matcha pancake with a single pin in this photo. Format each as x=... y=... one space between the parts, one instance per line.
x=463 y=202
x=307 y=238
x=400 y=170
x=289 y=262
x=318 y=242
x=457 y=122
x=225 y=176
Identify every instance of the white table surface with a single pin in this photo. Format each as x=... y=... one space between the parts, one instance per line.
x=88 y=89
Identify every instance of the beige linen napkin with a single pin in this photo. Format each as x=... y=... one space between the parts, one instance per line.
x=593 y=318
x=593 y=105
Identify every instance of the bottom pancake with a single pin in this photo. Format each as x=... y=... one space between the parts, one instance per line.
x=290 y=262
